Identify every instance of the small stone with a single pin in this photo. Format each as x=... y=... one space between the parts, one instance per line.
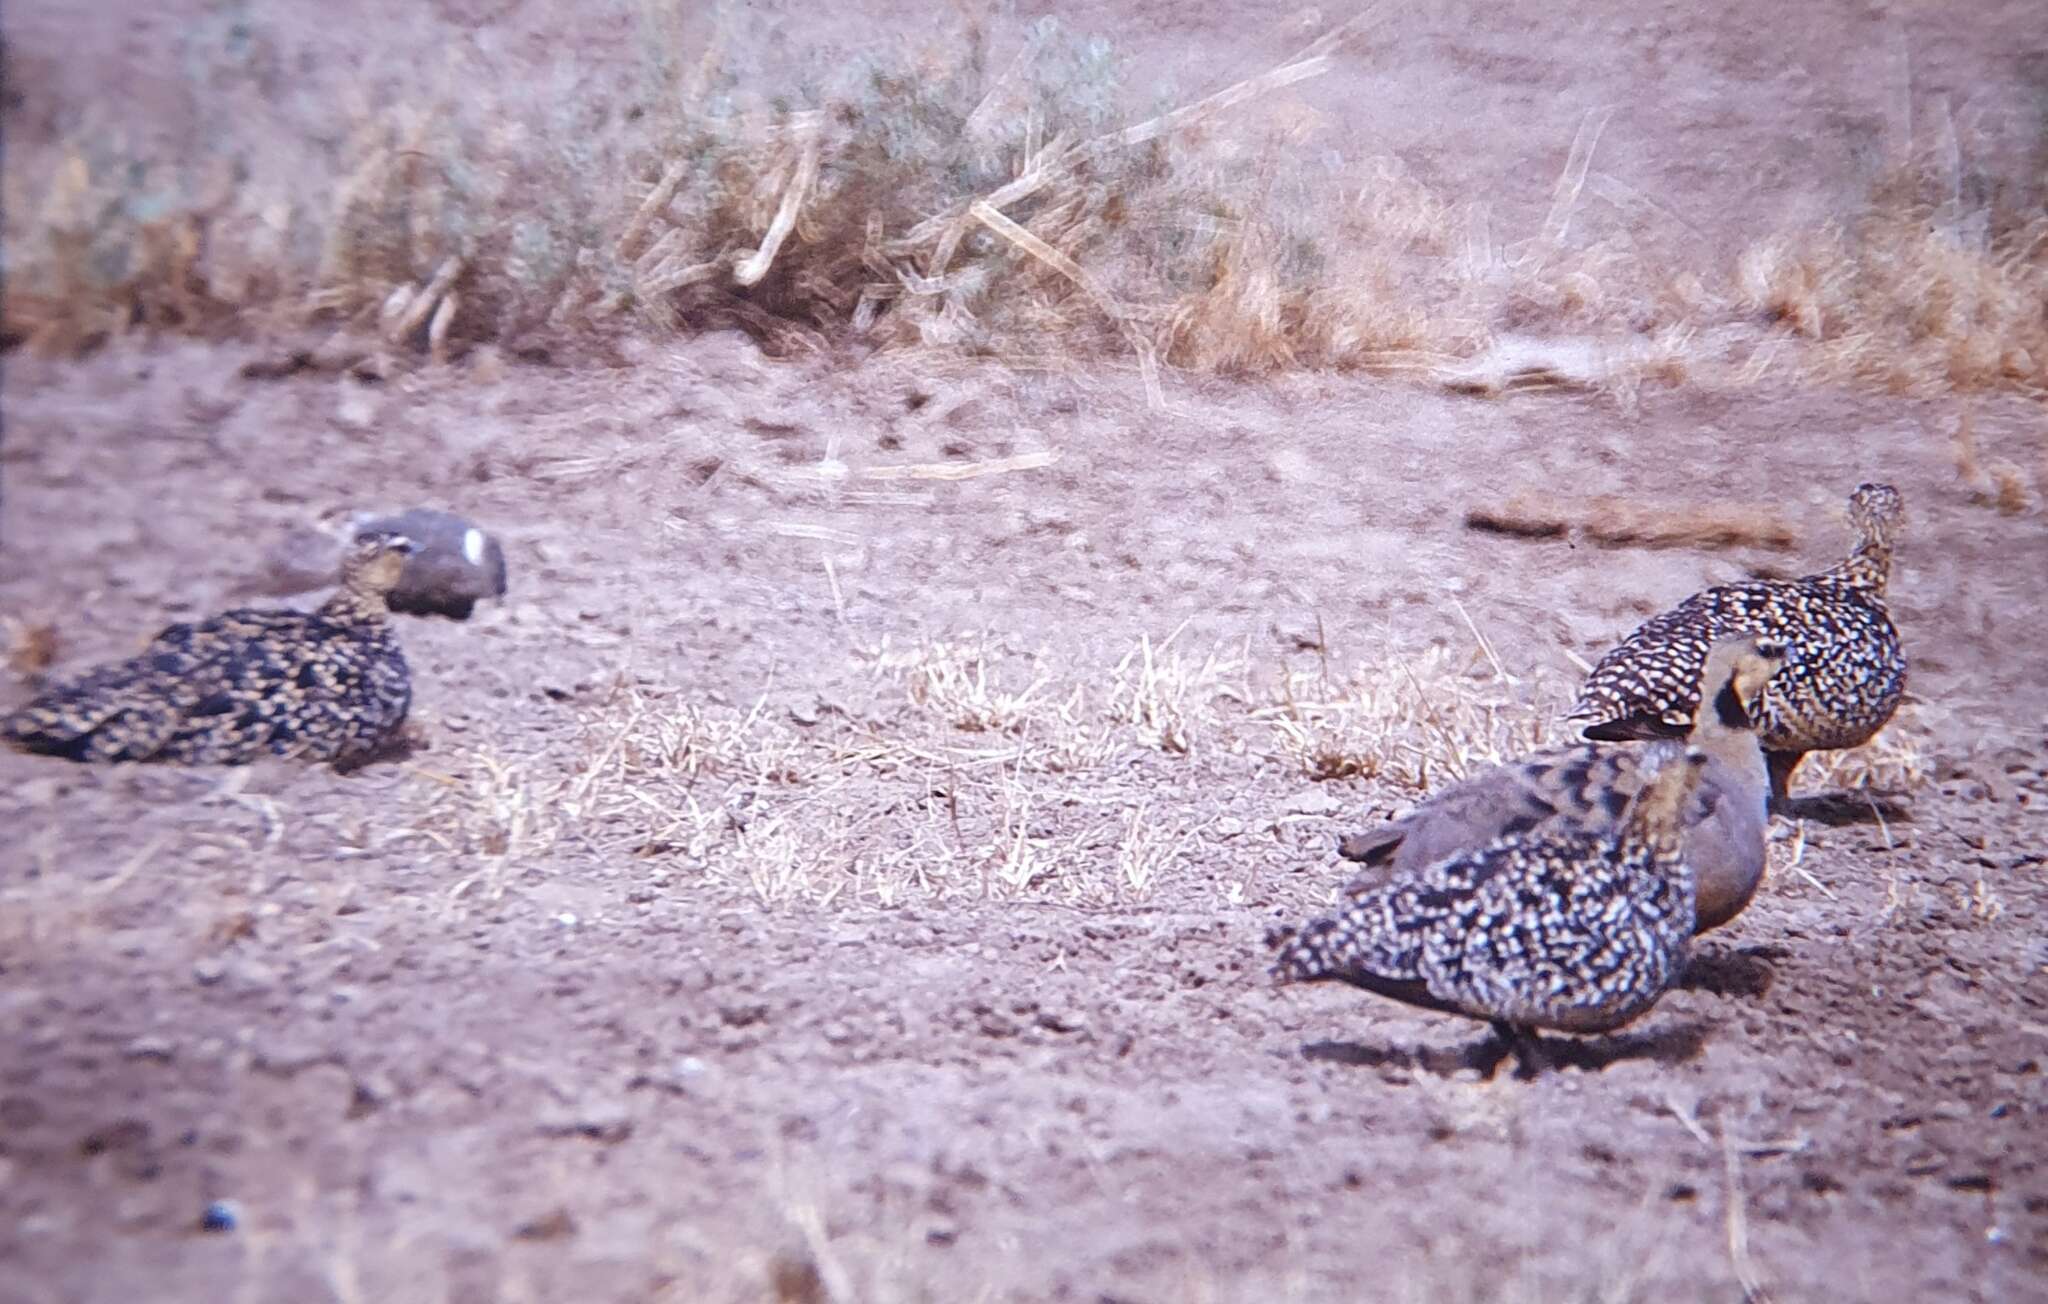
x=221 y=1216
x=304 y=560
x=969 y=413
x=1227 y=827
x=147 y=1047
x=355 y=407
x=1290 y=466
x=675 y=1077
x=37 y=792
x=600 y=1120
x=807 y=710
x=1062 y=1020
x=254 y=974
x=209 y=970
x=1314 y=802
x=554 y=1225
x=370 y=1093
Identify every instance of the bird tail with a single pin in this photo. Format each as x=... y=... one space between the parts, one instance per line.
x=1316 y=950
x=103 y=718
x=1589 y=707
x=1375 y=846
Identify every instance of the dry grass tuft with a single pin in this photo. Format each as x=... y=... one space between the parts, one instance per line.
x=1415 y=725
x=31 y=645
x=968 y=686
x=1155 y=695
x=1921 y=293
x=646 y=733
x=493 y=812
x=1167 y=697
x=1899 y=760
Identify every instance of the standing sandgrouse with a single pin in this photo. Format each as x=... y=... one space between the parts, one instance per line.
x=1591 y=784
x=1566 y=929
x=1844 y=670
x=329 y=684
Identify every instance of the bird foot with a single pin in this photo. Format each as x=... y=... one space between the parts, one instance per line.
x=1532 y=1057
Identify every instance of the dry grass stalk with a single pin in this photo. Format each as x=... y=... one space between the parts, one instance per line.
x=1626 y=522
x=1148 y=358
x=754 y=266
x=31 y=646
x=960 y=470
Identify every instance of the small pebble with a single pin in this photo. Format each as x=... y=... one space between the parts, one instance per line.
x=1314 y=802
x=221 y=1216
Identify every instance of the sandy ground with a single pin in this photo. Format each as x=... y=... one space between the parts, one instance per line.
x=822 y=879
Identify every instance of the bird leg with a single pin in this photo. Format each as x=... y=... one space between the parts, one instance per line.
x=1531 y=1059
x=1781 y=765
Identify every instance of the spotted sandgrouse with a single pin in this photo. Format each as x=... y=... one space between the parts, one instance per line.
x=1591 y=784
x=1564 y=929
x=329 y=685
x=1844 y=670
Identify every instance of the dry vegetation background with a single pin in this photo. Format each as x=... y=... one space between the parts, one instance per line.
x=965 y=622
x=1000 y=187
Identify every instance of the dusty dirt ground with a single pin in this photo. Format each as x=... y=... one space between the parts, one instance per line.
x=824 y=879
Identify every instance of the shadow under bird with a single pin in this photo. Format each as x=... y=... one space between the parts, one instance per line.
x=1844 y=670
x=328 y=684
x=1725 y=824
x=1566 y=929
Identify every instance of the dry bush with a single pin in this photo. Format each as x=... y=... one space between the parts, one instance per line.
x=1922 y=292
x=957 y=197
x=103 y=251
x=985 y=193
x=441 y=204
x=1362 y=277
x=993 y=190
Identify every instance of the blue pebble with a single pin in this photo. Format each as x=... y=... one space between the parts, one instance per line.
x=221 y=1216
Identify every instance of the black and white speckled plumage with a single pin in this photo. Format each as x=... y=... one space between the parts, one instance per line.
x=1844 y=671
x=329 y=685
x=1569 y=929
x=1589 y=785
